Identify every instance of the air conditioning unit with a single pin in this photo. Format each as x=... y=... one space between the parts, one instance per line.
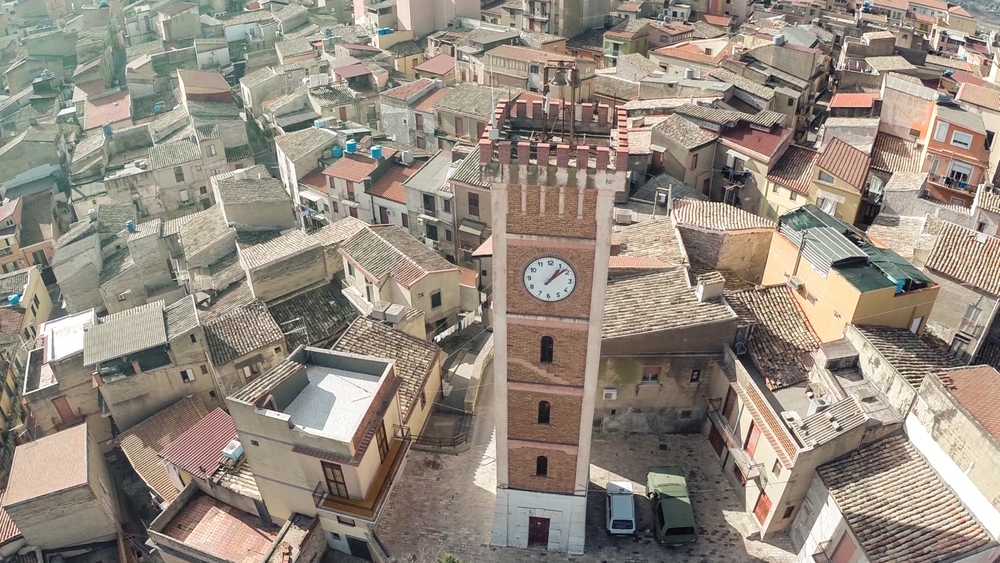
x=623 y=216
x=794 y=283
x=610 y=394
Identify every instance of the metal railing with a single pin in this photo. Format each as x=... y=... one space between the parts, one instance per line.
x=971 y=327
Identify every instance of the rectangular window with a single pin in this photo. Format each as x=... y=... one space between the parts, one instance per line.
x=353 y=212
x=35 y=301
x=335 y=483
x=382 y=441
x=350 y=269
x=810 y=298
x=941 y=133
x=776 y=189
x=435 y=299
x=429 y=204
x=447 y=235
x=825 y=178
x=405 y=219
x=369 y=291
x=650 y=374
x=211 y=150
x=694 y=161
x=776 y=468
x=844 y=552
x=204 y=369
x=178 y=174
x=960 y=139
x=418 y=121
x=752 y=437
x=695 y=375
x=346 y=521
x=336 y=208
x=792 y=196
x=421 y=143
x=423 y=400
x=473 y=204
x=187 y=376
x=446 y=205
x=738 y=474
x=762 y=508
x=431 y=231
x=459 y=127
x=972 y=313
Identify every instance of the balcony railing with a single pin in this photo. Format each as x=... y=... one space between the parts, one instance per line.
x=612 y=52
x=538 y=16
x=971 y=327
x=6 y=251
x=750 y=468
x=369 y=507
x=950 y=182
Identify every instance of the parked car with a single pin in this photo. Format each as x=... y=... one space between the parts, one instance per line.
x=667 y=489
x=620 y=508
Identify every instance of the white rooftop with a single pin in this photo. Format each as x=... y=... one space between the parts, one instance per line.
x=334 y=402
x=64 y=336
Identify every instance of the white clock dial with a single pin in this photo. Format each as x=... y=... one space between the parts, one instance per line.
x=549 y=279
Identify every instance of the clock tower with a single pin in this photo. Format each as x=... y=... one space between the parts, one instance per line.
x=553 y=177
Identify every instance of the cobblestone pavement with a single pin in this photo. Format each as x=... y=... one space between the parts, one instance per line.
x=444 y=504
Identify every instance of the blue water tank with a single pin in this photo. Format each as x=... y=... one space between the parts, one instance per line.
x=328 y=32
x=385 y=31
x=949 y=73
x=319 y=124
x=107 y=129
x=338 y=151
x=352 y=146
x=130 y=226
x=376 y=152
x=14 y=299
x=158 y=108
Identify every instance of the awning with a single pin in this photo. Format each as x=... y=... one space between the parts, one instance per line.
x=827 y=195
x=471 y=227
x=313 y=197
x=484 y=251
x=427 y=218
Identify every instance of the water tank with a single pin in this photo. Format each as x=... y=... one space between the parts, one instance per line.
x=328 y=32
x=688 y=73
x=949 y=73
x=376 y=152
x=817 y=404
x=130 y=226
x=406 y=157
x=352 y=146
x=14 y=299
x=778 y=39
x=107 y=129
x=158 y=108
x=385 y=31
x=319 y=124
x=337 y=151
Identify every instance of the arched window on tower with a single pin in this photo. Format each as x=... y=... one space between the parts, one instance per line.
x=543 y=412
x=541 y=466
x=547 y=348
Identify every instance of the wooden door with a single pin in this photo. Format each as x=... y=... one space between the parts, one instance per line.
x=65 y=410
x=715 y=438
x=762 y=508
x=752 y=437
x=538 y=532
x=343 y=113
x=359 y=548
x=383 y=215
x=727 y=409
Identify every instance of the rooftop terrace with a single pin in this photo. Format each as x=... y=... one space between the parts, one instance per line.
x=219 y=530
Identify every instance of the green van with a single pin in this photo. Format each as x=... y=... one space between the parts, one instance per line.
x=667 y=488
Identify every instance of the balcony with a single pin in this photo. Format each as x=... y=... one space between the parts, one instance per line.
x=952 y=183
x=541 y=16
x=750 y=468
x=6 y=251
x=972 y=327
x=369 y=507
x=612 y=52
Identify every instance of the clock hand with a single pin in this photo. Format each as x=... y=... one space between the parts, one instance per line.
x=554 y=276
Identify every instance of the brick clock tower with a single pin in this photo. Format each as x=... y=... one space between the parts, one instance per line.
x=552 y=204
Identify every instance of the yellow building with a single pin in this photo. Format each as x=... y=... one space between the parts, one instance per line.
x=832 y=179
x=838 y=277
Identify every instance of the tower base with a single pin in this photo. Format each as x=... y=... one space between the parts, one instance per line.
x=540 y=520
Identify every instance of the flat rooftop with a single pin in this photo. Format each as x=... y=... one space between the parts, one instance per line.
x=221 y=531
x=64 y=337
x=334 y=402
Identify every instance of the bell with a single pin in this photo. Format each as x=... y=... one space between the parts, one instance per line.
x=559 y=79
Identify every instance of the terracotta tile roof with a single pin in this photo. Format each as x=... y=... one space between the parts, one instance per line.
x=782 y=340
x=979 y=96
x=426 y=105
x=199 y=450
x=628 y=29
x=338 y=231
x=977 y=389
x=469 y=278
x=988 y=200
x=414 y=357
x=894 y=154
x=222 y=532
x=407 y=91
x=967 y=256
x=440 y=65
x=910 y=356
x=8 y=529
x=390 y=185
x=898 y=507
x=315 y=179
x=354 y=168
x=692 y=52
x=143 y=442
x=765 y=143
x=655 y=238
x=629 y=7
x=719 y=21
x=959 y=11
x=387 y=250
x=794 y=170
x=716 y=216
x=11 y=320
x=109 y=109
x=48 y=465
x=849 y=100
x=637 y=263
x=683 y=132
x=845 y=162
x=666 y=297
x=241 y=332
x=313 y=315
x=204 y=79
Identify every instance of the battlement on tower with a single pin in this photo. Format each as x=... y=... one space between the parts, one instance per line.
x=583 y=145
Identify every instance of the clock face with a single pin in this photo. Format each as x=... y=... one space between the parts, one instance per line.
x=549 y=279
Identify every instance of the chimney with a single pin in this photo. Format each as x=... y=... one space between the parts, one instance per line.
x=710 y=286
x=135 y=367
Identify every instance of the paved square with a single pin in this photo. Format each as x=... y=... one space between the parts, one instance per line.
x=444 y=504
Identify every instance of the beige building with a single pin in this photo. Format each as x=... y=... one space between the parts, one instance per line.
x=243 y=344
x=385 y=263
x=60 y=492
x=321 y=435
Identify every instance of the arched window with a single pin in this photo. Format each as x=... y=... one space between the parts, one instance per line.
x=546 y=356
x=543 y=412
x=541 y=466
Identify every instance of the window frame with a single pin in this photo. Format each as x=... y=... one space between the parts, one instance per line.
x=956 y=142
x=650 y=375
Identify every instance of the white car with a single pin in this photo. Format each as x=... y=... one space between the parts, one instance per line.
x=620 y=508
